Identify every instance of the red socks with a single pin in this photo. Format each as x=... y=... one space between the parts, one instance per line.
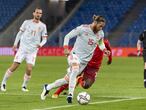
x=61 y=89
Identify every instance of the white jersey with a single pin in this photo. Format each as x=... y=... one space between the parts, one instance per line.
x=32 y=33
x=86 y=42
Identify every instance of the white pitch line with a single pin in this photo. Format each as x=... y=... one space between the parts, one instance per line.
x=66 y=106
x=19 y=94
x=102 y=102
x=118 y=100
x=56 y=107
x=30 y=94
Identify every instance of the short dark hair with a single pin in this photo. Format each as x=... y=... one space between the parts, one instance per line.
x=98 y=18
x=39 y=8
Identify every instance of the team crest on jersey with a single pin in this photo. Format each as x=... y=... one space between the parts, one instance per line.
x=39 y=29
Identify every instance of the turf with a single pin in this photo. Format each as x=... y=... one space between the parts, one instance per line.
x=119 y=86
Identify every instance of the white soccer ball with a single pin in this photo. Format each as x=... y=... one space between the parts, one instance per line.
x=83 y=98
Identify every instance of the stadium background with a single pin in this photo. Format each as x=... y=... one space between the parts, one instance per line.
x=125 y=21
x=119 y=86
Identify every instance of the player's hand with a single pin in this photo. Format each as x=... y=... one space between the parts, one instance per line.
x=66 y=51
x=106 y=52
x=109 y=62
x=138 y=53
x=38 y=46
x=14 y=48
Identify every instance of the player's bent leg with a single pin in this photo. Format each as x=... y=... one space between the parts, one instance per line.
x=59 y=90
x=8 y=73
x=14 y=66
x=89 y=76
x=48 y=87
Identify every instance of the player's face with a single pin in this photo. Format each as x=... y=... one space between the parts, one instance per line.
x=37 y=14
x=98 y=26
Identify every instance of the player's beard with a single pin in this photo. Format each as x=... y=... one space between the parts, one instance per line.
x=95 y=30
x=37 y=18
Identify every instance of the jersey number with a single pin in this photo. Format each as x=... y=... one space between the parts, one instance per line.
x=33 y=33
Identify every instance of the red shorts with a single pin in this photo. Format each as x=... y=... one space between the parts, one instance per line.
x=90 y=73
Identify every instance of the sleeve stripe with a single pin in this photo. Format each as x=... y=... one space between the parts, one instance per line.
x=45 y=36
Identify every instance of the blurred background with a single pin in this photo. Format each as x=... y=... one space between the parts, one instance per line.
x=125 y=21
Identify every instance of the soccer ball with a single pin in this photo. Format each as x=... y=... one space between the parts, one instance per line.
x=83 y=98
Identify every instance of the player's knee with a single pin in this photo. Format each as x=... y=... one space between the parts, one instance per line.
x=14 y=66
x=75 y=68
x=29 y=69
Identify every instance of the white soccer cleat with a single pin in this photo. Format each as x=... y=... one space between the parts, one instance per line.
x=24 y=89
x=44 y=93
x=3 y=87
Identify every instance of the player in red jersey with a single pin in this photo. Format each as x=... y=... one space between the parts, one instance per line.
x=89 y=73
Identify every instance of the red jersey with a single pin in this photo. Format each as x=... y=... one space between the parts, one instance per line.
x=96 y=60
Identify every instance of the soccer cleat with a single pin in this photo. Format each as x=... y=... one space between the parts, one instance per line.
x=69 y=98
x=24 y=89
x=55 y=96
x=3 y=87
x=45 y=92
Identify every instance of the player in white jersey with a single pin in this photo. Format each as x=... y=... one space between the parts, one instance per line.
x=88 y=37
x=32 y=35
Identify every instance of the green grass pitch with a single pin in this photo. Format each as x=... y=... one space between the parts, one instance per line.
x=119 y=86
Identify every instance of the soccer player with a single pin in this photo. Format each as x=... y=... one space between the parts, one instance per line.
x=142 y=40
x=32 y=35
x=89 y=73
x=88 y=37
